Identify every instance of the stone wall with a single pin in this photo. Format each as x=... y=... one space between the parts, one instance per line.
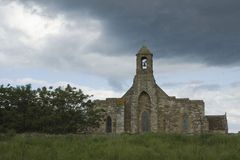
x=114 y=108
x=180 y=116
x=217 y=123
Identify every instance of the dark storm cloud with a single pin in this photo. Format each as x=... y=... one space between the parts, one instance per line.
x=207 y=31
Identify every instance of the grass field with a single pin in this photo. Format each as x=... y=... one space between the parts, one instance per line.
x=119 y=147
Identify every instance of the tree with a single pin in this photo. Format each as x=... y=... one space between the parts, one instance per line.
x=48 y=110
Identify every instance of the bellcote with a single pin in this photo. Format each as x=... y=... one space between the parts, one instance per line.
x=144 y=51
x=144 y=61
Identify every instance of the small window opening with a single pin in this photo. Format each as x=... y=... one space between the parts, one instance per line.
x=144 y=63
x=185 y=122
x=109 y=125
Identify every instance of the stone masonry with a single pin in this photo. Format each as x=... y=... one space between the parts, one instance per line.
x=145 y=107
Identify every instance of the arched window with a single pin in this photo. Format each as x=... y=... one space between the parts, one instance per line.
x=144 y=62
x=144 y=112
x=108 y=124
x=145 y=122
x=185 y=122
x=144 y=101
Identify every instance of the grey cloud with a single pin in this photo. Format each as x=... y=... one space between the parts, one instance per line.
x=235 y=84
x=116 y=84
x=195 y=85
x=178 y=84
x=64 y=53
x=209 y=87
x=202 y=31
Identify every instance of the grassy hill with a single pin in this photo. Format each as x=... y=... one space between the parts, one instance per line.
x=119 y=147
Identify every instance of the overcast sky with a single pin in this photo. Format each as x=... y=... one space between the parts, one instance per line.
x=92 y=45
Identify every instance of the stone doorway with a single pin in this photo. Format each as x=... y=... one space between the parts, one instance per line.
x=144 y=113
x=145 y=122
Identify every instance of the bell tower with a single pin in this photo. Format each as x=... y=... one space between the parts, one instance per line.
x=144 y=62
x=144 y=89
x=141 y=100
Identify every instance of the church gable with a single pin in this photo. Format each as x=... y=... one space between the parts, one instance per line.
x=160 y=92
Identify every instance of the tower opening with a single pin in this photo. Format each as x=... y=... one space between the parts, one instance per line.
x=144 y=62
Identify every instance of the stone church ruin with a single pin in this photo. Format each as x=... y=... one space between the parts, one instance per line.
x=145 y=107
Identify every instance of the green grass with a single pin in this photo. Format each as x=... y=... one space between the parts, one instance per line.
x=120 y=147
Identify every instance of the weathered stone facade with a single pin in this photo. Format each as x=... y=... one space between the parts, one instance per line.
x=145 y=107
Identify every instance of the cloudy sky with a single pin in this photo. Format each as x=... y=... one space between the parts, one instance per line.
x=92 y=45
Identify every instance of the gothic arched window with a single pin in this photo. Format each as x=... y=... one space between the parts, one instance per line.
x=144 y=62
x=108 y=124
